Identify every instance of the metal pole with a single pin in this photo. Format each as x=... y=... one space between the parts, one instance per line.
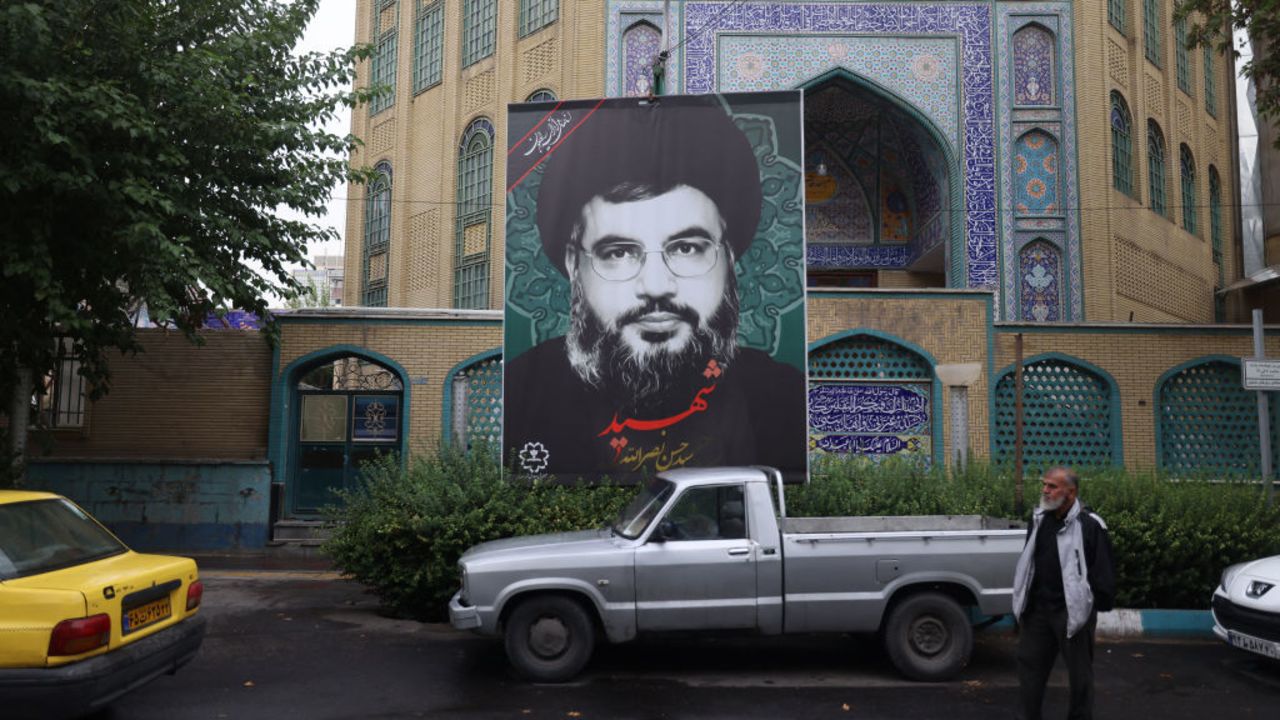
x=1017 y=427
x=1264 y=411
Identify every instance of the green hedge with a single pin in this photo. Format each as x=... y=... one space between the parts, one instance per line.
x=402 y=532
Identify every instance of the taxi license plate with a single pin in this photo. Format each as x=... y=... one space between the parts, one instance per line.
x=148 y=614
x=1252 y=644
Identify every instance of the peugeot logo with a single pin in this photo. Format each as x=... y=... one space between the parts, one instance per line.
x=109 y=592
x=1257 y=589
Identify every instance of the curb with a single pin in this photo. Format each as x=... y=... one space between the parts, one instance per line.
x=1153 y=624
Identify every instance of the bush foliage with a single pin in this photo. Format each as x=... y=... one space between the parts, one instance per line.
x=402 y=531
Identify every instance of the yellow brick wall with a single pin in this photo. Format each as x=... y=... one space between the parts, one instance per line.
x=419 y=135
x=950 y=326
x=178 y=400
x=427 y=350
x=1135 y=358
x=1138 y=265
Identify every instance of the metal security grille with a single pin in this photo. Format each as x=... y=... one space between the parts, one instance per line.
x=1208 y=423
x=428 y=44
x=377 y=239
x=1155 y=167
x=543 y=95
x=1115 y=14
x=472 y=234
x=1121 y=145
x=484 y=401
x=1182 y=64
x=479 y=30
x=1067 y=416
x=62 y=402
x=1188 y=166
x=384 y=55
x=864 y=357
x=1152 y=42
x=537 y=14
x=1210 y=85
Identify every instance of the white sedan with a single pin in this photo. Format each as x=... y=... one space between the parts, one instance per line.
x=1246 y=606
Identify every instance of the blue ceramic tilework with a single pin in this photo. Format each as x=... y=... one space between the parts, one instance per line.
x=1040 y=269
x=640 y=45
x=922 y=71
x=864 y=256
x=1035 y=170
x=621 y=16
x=969 y=24
x=1057 y=17
x=1033 y=73
x=836 y=209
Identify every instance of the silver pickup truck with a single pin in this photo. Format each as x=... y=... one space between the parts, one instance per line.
x=705 y=549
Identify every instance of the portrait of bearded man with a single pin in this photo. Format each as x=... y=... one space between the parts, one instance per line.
x=645 y=210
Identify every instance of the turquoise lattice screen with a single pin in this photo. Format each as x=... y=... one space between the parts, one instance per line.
x=1068 y=416
x=1208 y=423
x=864 y=357
x=484 y=402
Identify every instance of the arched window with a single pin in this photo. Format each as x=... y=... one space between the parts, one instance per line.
x=1071 y=415
x=872 y=397
x=1116 y=13
x=479 y=30
x=1207 y=424
x=1152 y=27
x=1121 y=145
x=1210 y=82
x=543 y=95
x=428 y=43
x=640 y=46
x=350 y=410
x=474 y=402
x=1033 y=66
x=1188 y=175
x=473 y=233
x=1035 y=170
x=1040 y=268
x=377 y=238
x=383 y=71
x=1215 y=219
x=1182 y=60
x=537 y=14
x=1156 y=168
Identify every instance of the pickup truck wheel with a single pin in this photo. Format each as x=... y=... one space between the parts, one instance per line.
x=549 y=638
x=928 y=637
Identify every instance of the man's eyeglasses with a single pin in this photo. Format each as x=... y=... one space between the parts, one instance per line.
x=619 y=262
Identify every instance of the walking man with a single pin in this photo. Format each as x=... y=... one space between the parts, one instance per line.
x=1063 y=579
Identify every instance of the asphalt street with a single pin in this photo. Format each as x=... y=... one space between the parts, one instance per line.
x=310 y=645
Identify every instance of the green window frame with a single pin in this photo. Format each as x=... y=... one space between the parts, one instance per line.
x=479 y=30
x=1215 y=220
x=537 y=14
x=377 y=239
x=428 y=44
x=1182 y=63
x=1116 y=13
x=383 y=68
x=474 y=215
x=1155 y=169
x=1121 y=145
x=1210 y=82
x=1187 y=163
x=1152 y=41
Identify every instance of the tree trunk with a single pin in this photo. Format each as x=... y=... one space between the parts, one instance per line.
x=19 y=420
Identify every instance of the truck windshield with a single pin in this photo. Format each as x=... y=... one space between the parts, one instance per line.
x=638 y=513
x=43 y=535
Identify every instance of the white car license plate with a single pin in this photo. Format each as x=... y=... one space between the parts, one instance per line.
x=1252 y=644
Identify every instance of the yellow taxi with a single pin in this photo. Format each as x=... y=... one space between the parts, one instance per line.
x=84 y=619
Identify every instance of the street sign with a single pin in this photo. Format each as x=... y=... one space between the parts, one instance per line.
x=1260 y=373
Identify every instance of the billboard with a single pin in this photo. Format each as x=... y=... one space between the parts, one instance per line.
x=654 y=286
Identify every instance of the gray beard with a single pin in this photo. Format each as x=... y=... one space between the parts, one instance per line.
x=640 y=383
x=1051 y=505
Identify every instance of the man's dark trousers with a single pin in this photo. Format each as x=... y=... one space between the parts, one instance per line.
x=1042 y=638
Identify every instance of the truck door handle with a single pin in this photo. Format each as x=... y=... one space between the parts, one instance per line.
x=739 y=551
